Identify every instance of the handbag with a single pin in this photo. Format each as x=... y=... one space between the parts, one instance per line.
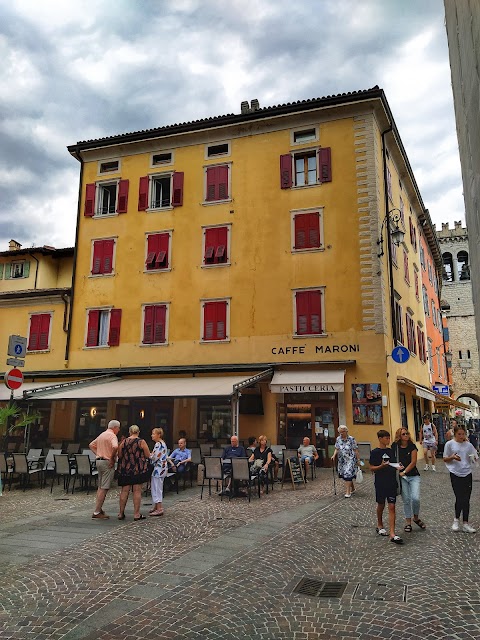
x=359 y=475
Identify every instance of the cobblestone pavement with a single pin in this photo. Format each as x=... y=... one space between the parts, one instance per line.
x=212 y=569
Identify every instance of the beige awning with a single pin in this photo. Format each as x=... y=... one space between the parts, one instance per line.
x=18 y=393
x=308 y=381
x=178 y=387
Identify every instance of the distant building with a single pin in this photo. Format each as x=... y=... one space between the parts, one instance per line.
x=457 y=301
x=462 y=19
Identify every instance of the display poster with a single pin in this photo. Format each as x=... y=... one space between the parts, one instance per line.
x=367 y=403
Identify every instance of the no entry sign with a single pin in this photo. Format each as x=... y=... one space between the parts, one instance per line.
x=14 y=379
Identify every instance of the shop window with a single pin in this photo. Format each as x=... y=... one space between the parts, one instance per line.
x=417 y=416
x=214 y=419
x=403 y=411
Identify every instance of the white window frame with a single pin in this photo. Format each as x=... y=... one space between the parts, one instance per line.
x=229 y=188
x=40 y=313
x=203 y=302
x=293 y=132
x=169 y=256
x=99 y=186
x=296 y=212
x=151 y=180
x=167 y=324
x=322 y=290
x=430 y=354
x=104 y=309
x=301 y=152
x=229 y=244
x=114 y=255
x=165 y=163
x=107 y=161
x=13 y=265
x=226 y=154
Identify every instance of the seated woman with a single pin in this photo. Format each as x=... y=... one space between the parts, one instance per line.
x=264 y=456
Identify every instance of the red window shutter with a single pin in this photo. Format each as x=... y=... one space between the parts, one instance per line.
x=315 y=311
x=301 y=299
x=325 y=163
x=209 y=253
x=212 y=181
x=307 y=231
x=285 y=171
x=44 y=331
x=150 y=259
x=159 y=322
x=308 y=307
x=221 y=320
x=300 y=231
x=162 y=251
x=97 y=262
x=108 y=256
x=143 y=194
x=148 y=325
x=222 y=183
x=114 y=333
x=210 y=244
x=92 y=328
x=33 y=341
x=209 y=317
x=90 y=200
x=215 y=320
x=177 y=199
x=122 y=202
x=222 y=241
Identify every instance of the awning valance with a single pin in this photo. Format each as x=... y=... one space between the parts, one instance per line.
x=423 y=392
x=308 y=381
x=177 y=387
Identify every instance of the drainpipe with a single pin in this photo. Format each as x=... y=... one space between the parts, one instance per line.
x=65 y=312
x=36 y=268
x=387 y=233
x=69 y=327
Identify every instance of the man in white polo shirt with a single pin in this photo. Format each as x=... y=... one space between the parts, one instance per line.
x=105 y=449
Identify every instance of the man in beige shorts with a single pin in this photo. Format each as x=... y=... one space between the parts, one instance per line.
x=105 y=449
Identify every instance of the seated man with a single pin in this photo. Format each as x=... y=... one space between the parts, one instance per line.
x=180 y=457
x=252 y=445
x=307 y=454
x=234 y=450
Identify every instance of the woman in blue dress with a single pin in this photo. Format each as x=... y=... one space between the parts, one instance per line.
x=346 y=456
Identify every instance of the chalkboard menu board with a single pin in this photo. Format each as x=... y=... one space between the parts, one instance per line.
x=293 y=472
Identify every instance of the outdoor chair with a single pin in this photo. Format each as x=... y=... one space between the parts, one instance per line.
x=6 y=470
x=33 y=457
x=57 y=445
x=205 y=448
x=72 y=448
x=49 y=460
x=241 y=473
x=84 y=471
x=217 y=451
x=91 y=456
x=213 y=471
x=63 y=469
x=25 y=470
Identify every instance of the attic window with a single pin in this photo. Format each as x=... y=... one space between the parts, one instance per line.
x=109 y=167
x=218 y=150
x=307 y=135
x=162 y=158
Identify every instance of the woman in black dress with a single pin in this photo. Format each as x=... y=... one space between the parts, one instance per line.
x=262 y=458
x=133 y=471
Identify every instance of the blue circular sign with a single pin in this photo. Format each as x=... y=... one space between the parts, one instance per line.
x=400 y=354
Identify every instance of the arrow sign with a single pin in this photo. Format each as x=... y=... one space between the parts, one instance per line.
x=14 y=379
x=400 y=354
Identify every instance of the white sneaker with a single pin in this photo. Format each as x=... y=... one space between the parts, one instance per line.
x=433 y=467
x=348 y=495
x=468 y=529
x=426 y=467
x=456 y=525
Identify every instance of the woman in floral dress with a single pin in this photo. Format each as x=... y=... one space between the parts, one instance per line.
x=346 y=453
x=133 y=455
x=158 y=457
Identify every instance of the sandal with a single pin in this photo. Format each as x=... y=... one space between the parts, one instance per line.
x=141 y=517
x=396 y=540
x=121 y=516
x=381 y=532
x=155 y=513
x=408 y=528
x=420 y=524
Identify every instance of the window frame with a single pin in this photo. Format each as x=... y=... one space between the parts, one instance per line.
x=225 y=154
x=99 y=186
x=151 y=180
x=166 y=163
x=30 y=316
x=398 y=310
x=103 y=274
x=13 y=265
x=411 y=334
x=102 y=309
x=168 y=232
x=227 y=263
x=167 y=324
x=108 y=161
x=321 y=289
x=295 y=131
x=203 y=302
x=299 y=212
x=205 y=184
x=310 y=152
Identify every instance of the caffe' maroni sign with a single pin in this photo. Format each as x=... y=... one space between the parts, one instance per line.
x=304 y=349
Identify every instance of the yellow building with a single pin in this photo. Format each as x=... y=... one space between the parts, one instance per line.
x=237 y=274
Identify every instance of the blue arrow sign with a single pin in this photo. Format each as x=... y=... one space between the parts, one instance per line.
x=400 y=354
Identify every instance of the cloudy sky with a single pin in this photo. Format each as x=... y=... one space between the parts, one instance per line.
x=91 y=68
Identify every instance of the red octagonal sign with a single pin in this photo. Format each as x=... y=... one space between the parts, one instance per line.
x=14 y=379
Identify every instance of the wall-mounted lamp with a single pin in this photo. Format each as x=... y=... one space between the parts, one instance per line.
x=93 y=412
x=142 y=413
x=392 y=219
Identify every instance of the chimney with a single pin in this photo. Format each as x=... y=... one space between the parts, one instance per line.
x=244 y=108
x=13 y=245
x=254 y=105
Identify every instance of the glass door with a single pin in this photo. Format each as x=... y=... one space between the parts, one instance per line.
x=325 y=422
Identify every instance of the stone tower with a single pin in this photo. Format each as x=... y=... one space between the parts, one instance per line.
x=458 y=301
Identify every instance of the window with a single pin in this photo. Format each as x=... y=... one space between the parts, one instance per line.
x=155 y=324
x=413 y=233
x=434 y=314
x=214 y=419
x=218 y=149
x=103 y=327
x=406 y=271
x=106 y=198
x=306 y=230
x=39 y=332
x=217 y=183
x=402 y=211
x=411 y=339
x=161 y=191
x=398 y=323
x=393 y=248
x=306 y=168
x=102 y=257
x=309 y=312
x=403 y=411
x=430 y=354
x=462 y=264
x=416 y=282
x=108 y=166
x=215 y=320
x=158 y=251
x=421 y=345
x=305 y=135
x=389 y=184
x=216 y=245
x=164 y=157
x=429 y=270
x=422 y=257
x=425 y=300
x=20 y=269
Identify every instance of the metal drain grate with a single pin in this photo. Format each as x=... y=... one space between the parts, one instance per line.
x=320 y=589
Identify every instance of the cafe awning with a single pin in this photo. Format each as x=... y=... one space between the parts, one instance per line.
x=175 y=387
x=299 y=381
x=428 y=394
